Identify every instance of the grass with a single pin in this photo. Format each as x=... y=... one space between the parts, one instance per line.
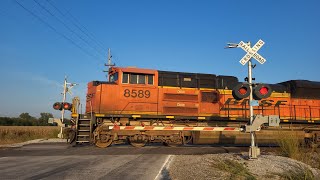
x=16 y=134
x=297 y=173
x=236 y=169
x=291 y=147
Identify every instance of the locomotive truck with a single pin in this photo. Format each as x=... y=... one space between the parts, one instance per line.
x=141 y=106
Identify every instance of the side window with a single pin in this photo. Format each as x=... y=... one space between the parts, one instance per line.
x=141 y=79
x=125 y=78
x=150 y=79
x=133 y=78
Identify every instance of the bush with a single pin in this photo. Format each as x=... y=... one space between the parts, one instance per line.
x=289 y=144
x=297 y=173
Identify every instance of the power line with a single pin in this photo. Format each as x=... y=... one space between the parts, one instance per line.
x=65 y=25
x=73 y=20
x=55 y=30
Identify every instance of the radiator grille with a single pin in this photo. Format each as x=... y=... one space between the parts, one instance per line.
x=210 y=97
x=181 y=97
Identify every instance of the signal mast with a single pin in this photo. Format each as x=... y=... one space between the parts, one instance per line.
x=251 y=89
x=66 y=89
x=109 y=64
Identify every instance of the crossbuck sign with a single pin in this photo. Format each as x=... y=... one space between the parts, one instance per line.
x=251 y=52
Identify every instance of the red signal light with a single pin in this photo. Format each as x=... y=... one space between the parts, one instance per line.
x=67 y=106
x=262 y=91
x=57 y=106
x=241 y=91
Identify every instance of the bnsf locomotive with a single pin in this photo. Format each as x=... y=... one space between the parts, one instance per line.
x=143 y=105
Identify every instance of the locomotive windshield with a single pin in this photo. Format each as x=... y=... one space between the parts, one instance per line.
x=113 y=77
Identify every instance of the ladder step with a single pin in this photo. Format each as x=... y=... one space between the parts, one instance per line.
x=82 y=141
x=84 y=126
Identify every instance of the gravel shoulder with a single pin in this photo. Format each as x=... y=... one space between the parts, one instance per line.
x=204 y=166
x=35 y=141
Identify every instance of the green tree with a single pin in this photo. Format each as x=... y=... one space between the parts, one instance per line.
x=25 y=116
x=43 y=119
x=6 y=121
x=25 y=119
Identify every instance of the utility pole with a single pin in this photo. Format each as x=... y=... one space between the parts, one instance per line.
x=109 y=63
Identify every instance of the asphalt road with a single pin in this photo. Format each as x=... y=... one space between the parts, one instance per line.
x=61 y=161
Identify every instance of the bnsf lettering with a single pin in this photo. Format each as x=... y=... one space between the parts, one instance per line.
x=136 y=93
x=264 y=103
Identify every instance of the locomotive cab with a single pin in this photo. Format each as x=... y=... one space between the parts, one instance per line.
x=129 y=91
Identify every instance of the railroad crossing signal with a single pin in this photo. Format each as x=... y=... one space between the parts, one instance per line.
x=62 y=105
x=259 y=91
x=251 y=52
x=244 y=90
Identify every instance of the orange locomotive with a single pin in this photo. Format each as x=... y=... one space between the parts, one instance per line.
x=143 y=105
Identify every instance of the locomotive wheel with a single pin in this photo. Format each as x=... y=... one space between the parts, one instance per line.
x=138 y=144
x=138 y=140
x=172 y=144
x=174 y=141
x=104 y=141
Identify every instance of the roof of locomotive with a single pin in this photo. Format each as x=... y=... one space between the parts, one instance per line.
x=134 y=70
x=173 y=78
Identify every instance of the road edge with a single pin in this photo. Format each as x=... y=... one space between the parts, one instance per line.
x=164 y=171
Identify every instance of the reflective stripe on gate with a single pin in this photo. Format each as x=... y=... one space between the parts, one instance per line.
x=171 y=128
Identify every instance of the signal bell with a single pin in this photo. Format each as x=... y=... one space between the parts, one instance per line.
x=259 y=91
x=60 y=106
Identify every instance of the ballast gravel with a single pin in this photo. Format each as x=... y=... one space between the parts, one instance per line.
x=202 y=166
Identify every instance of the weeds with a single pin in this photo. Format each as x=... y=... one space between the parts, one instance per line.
x=289 y=145
x=297 y=173
x=235 y=168
x=15 y=134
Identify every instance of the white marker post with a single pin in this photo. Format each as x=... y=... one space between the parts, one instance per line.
x=251 y=53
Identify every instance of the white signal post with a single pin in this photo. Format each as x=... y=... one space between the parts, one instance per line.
x=251 y=53
x=66 y=89
x=64 y=95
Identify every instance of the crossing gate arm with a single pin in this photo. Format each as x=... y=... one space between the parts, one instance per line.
x=171 y=128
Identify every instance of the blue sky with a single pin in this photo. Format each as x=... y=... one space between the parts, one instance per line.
x=181 y=35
